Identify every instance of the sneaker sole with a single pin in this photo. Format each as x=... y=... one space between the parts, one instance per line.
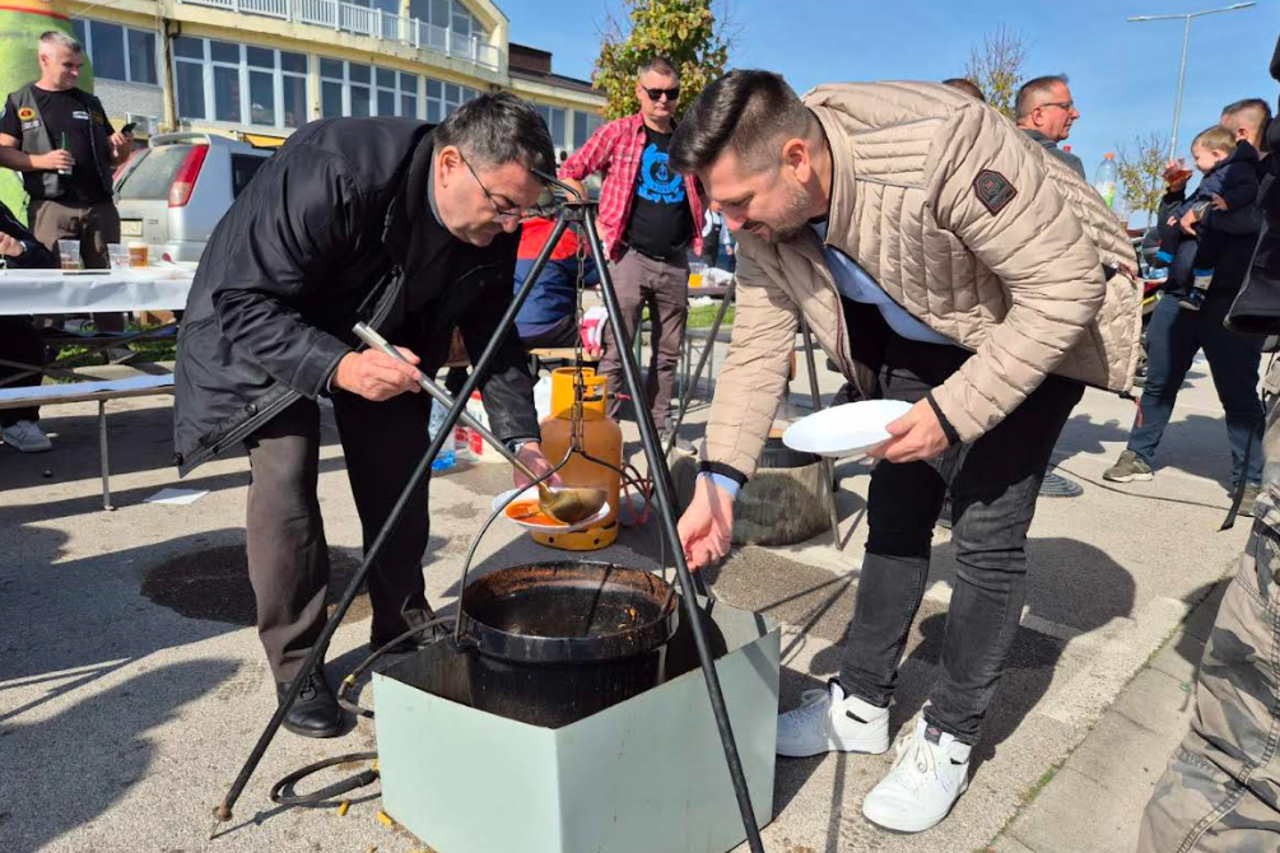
x=916 y=827
x=1129 y=478
x=856 y=747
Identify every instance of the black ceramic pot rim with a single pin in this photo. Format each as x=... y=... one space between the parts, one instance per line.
x=603 y=648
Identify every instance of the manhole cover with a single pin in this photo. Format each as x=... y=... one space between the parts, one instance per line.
x=213 y=583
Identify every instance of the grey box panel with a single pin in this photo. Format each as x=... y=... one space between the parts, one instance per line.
x=647 y=774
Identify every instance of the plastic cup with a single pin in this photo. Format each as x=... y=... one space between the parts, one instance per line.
x=119 y=255
x=69 y=254
x=695 y=274
x=138 y=255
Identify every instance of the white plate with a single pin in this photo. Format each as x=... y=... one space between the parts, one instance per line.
x=845 y=430
x=532 y=493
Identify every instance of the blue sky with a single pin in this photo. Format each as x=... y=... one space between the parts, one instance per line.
x=1123 y=76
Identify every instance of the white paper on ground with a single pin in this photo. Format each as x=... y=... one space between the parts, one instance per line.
x=176 y=497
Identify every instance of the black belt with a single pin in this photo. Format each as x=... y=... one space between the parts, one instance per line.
x=669 y=259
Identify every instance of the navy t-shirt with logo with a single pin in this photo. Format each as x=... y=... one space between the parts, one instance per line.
x=66 y=112
x=661 y=224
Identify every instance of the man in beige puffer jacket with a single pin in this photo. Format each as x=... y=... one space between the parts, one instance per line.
x=944 y=260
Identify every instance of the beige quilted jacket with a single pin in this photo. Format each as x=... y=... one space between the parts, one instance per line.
x=968 y=225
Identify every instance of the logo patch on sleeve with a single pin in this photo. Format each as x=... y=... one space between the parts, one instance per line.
x=26 y=114
x=993 y=190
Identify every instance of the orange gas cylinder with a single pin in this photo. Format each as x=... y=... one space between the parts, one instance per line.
x=599 y=438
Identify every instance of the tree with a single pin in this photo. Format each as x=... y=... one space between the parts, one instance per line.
x=688 y=32
x=1140 y=167
x=995 y=67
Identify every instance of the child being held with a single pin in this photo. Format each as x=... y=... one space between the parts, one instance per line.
x=1230 y=171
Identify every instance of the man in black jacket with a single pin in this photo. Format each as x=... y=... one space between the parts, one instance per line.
x=19 y=340
x=1174 y=336
x=412 y=229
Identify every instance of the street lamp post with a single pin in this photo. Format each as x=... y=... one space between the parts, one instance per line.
x=1182 y=69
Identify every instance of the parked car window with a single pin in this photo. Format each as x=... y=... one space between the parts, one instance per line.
x=243 y=168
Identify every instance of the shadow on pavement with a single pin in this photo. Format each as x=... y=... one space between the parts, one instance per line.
x=61 y=788
x=1071 y=584
x=1195 y=445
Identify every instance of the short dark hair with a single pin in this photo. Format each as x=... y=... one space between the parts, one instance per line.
x=746 y=112
x=495 y=129
x=1254 y=105
x=1033 y=89
x=964 y=84
x=661 y=64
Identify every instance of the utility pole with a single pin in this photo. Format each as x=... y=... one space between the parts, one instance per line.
x=1186 y=18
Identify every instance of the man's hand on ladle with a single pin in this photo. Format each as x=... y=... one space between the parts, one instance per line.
x=531 y=454
x=377 y=376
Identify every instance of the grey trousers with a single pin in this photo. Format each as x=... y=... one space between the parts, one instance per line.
x=287 y=551
x=664 y=288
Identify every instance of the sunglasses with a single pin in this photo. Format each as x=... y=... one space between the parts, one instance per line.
x=673 y=94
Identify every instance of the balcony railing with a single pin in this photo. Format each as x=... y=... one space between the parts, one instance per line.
x=361 y=20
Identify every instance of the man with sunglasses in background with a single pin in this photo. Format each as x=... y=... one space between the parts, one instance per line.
x=1046 y=113
x=413 y=229
x=649 y=216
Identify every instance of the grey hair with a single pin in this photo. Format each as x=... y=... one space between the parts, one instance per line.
x=496 y=129
x=661 y=64
x=58 y=37
x=1033 y=89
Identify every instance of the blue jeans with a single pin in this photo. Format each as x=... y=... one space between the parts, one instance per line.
x=1174 y=336
x=994 y=483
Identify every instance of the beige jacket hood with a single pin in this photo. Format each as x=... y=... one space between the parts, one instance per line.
x=972 y=228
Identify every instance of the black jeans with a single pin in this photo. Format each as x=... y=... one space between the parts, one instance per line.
x=993 y=484
x=20 y=341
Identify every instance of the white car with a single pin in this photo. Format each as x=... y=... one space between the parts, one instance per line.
x=172 y=193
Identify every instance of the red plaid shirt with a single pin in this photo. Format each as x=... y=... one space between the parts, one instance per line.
x=614 y=151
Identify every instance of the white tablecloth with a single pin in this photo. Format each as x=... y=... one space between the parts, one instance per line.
x=55 y=292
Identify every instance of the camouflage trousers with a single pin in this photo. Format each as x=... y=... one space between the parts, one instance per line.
x=1221 y=791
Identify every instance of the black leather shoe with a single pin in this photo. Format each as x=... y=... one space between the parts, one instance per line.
x=315 y=713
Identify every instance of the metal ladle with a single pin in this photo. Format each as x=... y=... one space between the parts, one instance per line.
x=565 y=504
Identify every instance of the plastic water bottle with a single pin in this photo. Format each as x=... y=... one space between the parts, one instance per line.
x=1105 y=179
x=447 y=457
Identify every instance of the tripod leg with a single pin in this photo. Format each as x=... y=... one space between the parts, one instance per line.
x=666 y=516
x=828 y=466
x=707 y=352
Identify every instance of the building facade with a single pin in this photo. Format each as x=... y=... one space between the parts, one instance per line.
x=266 y=67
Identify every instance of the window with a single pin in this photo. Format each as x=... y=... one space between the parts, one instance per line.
x=118 y=53
x=243 y=168
x=584 y=125
x=240 y=84
x=554 y=118
x=444 y=98
x=353 y=89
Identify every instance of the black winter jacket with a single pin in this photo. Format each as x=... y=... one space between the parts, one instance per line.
x=34 y=253
x=336 y=228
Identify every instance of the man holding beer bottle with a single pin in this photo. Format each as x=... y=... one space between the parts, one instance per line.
x=61 y=141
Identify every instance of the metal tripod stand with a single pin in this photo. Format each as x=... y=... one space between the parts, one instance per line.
x=578 y=211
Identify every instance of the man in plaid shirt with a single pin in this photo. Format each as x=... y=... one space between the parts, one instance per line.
x=649 y=217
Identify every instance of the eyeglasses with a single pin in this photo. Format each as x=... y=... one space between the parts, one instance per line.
x=673 y=94
x=1063 y=105
x=507 y=214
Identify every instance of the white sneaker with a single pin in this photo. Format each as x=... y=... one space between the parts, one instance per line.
x=829 y=721
x=929 y=775
x=27 y=437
